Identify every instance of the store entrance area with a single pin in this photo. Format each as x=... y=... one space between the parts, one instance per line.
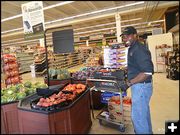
x=164 y=105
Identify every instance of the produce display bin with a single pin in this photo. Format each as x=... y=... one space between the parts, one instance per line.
x=9 y=118
x=57 y=81
x=9 y=113
x=71 y=119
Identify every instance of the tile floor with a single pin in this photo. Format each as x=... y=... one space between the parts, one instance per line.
x=164 y=105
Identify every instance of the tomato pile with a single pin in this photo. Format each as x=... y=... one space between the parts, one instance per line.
x=69 y=93
x=116 y=99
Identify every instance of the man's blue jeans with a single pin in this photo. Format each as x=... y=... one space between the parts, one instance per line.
x=141 y=118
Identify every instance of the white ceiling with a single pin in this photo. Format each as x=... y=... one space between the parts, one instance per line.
x=149 y=11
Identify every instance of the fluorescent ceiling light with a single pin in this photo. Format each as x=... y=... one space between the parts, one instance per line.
x=98 y=11
x=150 y=30
x=35 y=40
x=131 y=20
x=108 y=24
x=139 y=27
x=157 y=21
x=94 y=30
x=12 y=40
x=95 y=26
x=80 y=28
x=12 y=17
x=12 y=30
x=104 y=25
x=112 y=23
x=141 y=23
x=45 y=8
x=56 y=5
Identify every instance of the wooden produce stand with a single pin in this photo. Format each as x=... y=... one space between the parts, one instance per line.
x=9 y=118
x=72 y=119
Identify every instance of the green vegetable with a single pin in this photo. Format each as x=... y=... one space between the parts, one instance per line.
x=28 y=84
x=19 y=86
x=9 y=92
x=21 y=95
x=3 y=99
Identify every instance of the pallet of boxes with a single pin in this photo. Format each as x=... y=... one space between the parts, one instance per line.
x=114 y=109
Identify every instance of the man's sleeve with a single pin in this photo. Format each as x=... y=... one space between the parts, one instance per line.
x=143 y=60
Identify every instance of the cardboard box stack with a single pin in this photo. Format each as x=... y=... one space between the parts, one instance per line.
x=115 y=113
x=115 y=57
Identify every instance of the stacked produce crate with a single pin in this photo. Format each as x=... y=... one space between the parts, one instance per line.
x=115 y=56
x=11 y=69
x=114 y=109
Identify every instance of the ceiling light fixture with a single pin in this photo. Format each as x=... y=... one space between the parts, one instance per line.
x=108 y=24
x=12 y=30
x=57 y=5
x=135 y=19
x=80 y=28
x=98 y=11
x=45 y=8
x=142 y=23
x=94 y=31
x=22 y=42
x=105 y=24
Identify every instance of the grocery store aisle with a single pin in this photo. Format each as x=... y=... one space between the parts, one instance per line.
x=164 y=105
x=28 y=77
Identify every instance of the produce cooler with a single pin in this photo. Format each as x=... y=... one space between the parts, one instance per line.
x=69 y=116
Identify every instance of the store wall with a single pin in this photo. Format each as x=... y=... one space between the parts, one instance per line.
x=158 y=40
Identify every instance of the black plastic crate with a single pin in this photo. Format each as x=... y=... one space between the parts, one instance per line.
x=110 y=74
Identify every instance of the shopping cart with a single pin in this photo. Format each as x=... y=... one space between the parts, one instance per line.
x=94 y=84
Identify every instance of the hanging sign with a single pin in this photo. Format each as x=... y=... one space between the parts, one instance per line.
x=33 y=20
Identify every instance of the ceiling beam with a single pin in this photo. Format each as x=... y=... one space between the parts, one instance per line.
x=162 y=13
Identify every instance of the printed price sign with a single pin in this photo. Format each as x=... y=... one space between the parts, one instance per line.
x=33 y=20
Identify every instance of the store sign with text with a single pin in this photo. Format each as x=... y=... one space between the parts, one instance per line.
x=33 y=20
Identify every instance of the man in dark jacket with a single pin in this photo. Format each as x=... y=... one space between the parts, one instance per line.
x=140 y=71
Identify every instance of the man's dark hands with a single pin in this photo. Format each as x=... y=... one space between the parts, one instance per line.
x=125 y=86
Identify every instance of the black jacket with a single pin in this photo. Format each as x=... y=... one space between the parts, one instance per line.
x=139 y=60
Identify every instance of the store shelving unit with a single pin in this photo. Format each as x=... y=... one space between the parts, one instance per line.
x=25 y=59
x=66 y=60
x=96 y=40
x=161 y=52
